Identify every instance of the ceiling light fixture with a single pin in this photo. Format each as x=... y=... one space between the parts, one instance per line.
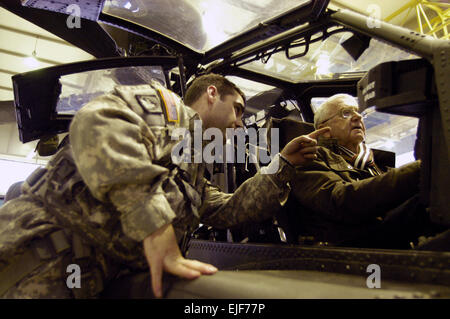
x=31 y=61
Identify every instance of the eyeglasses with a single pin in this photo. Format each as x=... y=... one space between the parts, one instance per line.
x=345 y=114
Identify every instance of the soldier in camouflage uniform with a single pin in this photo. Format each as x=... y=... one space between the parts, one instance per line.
x=114 y=189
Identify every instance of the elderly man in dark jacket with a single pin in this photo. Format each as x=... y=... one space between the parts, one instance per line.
x=346 y=198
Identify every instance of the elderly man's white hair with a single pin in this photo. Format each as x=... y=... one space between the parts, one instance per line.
x=322 y=111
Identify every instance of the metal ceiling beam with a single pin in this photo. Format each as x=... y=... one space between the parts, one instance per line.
x=21 y=55
x=34 y=35
x=5 y=88
x=8 y=72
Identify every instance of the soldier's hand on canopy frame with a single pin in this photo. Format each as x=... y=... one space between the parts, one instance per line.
x=163 y=254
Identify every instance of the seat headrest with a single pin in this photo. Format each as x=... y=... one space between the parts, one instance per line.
x=289 y=129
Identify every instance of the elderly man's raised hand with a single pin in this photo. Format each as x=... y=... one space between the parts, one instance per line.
x=303 y=149
x=162 y=253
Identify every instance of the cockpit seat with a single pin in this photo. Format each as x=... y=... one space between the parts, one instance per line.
x=287 y=218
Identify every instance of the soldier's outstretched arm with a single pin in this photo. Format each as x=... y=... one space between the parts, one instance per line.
x=261 y=196
x=162 y=253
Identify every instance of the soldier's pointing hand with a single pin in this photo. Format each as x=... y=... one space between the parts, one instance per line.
x=303 y=149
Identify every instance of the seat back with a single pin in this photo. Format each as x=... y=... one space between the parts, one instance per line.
x=288 y=217
x=289 y=129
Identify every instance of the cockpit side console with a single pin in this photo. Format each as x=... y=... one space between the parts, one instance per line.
x=409 y=88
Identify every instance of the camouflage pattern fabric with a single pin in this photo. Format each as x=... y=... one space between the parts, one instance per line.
x=48 y=281
x=115 y=184
x=21 y=220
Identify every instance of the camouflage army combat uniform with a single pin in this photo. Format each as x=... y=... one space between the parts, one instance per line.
x=112 y=186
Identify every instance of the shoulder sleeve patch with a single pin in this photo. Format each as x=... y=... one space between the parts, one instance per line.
x=149 y=103
x=169 y=101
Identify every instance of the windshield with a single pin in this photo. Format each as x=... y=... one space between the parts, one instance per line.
x=205 y=24
x=79 y=88
x=327 y=60
x=200 y=24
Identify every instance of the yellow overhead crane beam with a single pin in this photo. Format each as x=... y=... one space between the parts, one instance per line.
x=436 y=26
